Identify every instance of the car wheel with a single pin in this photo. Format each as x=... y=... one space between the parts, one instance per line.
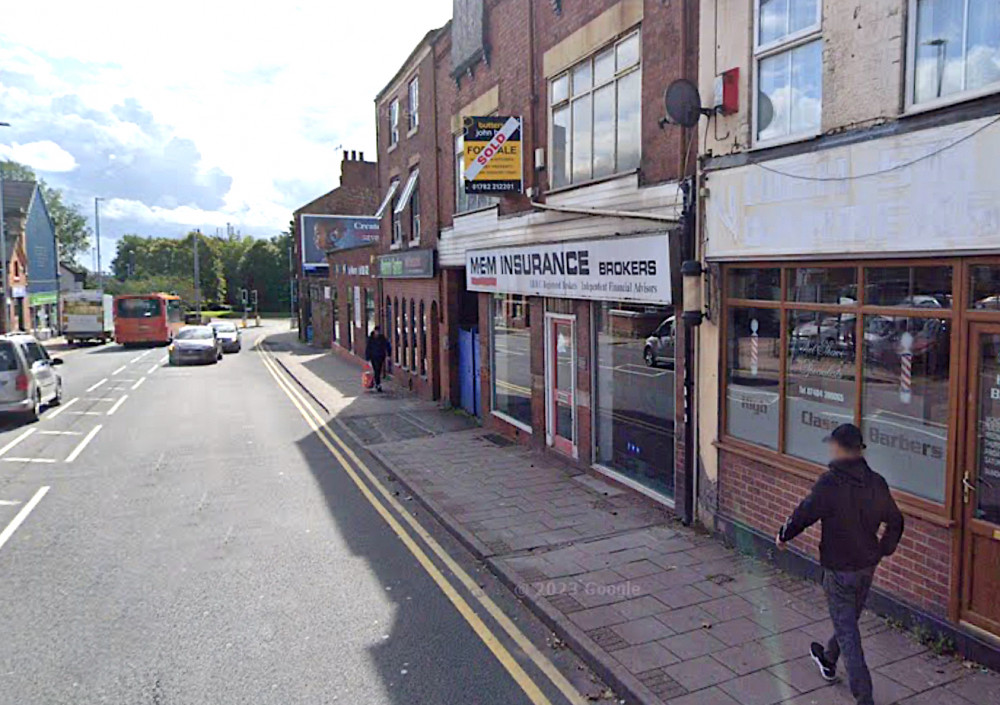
x=58 y=398
x=35 y=412
x=649 y=357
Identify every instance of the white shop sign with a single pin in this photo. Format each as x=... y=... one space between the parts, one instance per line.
x=610 y=269
x=944 y=202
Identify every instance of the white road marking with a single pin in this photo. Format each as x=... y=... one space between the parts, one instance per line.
x=86 y=413
x=153 y=369
x=9 y=502
x=62 y=407
x=95 y=386
x=120 y=369
x=101 y=399
x=117 y=404
x=137 y=384
x=16 y=441
x=165 y=360
x=28 y=460
x=60 y=433
x=136 y=359
x=22 y=515
x=83 y=444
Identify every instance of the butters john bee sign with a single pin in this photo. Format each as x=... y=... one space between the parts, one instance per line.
x=611 y=269
x=492 y=156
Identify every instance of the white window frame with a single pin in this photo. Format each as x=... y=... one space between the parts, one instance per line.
x=493 y=373
x=415 y=210
x=413 y=99
x=911 y=70
x=568 y=102
x=396 y=227
x=484 y=202
x=393 y=123
x=787 y=43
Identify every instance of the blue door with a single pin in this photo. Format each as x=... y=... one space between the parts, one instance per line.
x=476 y=368
x=468 y=370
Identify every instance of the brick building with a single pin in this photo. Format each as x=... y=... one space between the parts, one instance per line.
x=327 y=287
x=586 y=371
x=410 y=299
x=852 y=248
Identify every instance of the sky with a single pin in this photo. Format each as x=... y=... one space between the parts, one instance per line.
x=197 y=113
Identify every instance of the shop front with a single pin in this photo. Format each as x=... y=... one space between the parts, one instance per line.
x=579 y=356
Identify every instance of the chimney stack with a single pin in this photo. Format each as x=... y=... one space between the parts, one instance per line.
x=361 y=156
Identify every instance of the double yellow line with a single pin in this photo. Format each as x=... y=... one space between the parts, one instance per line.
x=355 y=470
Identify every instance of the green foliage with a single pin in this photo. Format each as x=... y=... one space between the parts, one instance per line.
x=226 y=265
x=72 y=231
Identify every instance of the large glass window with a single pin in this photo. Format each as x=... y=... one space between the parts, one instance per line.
x=414 y=353
x=467 y=201
x=956 y=48
x=511 y=350
x=404 y=333
x=335 y=311
x=396 y=315
x=789 y=52
x=985 y=288
x=595 y=115
x=634 y=418
x=752 y=374
x=423 y=339
x=795 y=366
x=370 y=321
x=905 y=402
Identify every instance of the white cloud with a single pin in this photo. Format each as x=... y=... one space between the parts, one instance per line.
x=44 y=156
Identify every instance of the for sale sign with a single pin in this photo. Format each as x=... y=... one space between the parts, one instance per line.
x=492 y=157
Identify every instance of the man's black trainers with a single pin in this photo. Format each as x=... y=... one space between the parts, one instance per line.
x=818 y=654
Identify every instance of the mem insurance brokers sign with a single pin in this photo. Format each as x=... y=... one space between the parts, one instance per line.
x=611 y=269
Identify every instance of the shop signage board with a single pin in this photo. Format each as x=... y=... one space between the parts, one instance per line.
x=610 y=269
x=321 y=234
x=413 y=264
x=492 y=157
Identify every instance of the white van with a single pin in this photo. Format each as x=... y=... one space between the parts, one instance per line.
x=28 y=379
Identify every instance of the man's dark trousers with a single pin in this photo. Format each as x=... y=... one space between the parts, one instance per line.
x=377 y=364
x=846 y=592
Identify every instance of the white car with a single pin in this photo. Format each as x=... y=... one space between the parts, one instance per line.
x=28 y=380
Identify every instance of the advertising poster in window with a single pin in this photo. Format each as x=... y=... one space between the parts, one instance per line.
x=492 y=158
x=321 y=234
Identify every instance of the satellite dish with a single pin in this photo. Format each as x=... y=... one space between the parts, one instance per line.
x=765 y=111
x=683 y=103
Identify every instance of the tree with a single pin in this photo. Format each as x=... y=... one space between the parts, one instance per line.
x=72 y=231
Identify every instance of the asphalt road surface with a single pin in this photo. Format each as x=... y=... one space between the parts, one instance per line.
x=188 y=535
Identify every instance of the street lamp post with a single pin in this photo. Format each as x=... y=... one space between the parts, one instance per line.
x=97 y=236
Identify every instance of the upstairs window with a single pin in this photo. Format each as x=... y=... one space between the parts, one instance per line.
x=465 y=202
x=595 y=115
x=397 y=219
x=394 y=122
x=414 y=98
x=954 y=49
x=789 y=59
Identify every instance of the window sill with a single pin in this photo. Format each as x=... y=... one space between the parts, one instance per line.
x=910 y=505
x=474 y=211
x=415 y=243
x=396 y=246
x=512 y=421
x=964 y=97
x=412 y=131
x=759 y=146
x=392 y=147
x=590 y=182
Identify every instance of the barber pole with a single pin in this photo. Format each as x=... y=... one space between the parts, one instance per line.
x=905 y=368
x=754 y=345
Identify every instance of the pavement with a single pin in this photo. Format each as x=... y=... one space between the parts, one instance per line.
x=192 y=535
x=663 y=613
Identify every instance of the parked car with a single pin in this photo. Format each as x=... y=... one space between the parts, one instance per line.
x=195 y=344
x=229 y=336
x=27 y=378
x=660 y=344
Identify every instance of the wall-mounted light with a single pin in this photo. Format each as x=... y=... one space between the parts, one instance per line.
x=691 y=272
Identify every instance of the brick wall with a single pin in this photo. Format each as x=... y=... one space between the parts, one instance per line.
x=418 y=291
x=761 y=497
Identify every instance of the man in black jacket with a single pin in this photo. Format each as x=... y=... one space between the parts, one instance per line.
x=376 y=352
x=852 y=501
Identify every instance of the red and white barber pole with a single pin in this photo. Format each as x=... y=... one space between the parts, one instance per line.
x=754 y=345
x=905 y=368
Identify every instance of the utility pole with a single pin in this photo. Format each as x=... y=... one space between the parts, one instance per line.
x=97 y=236
x=197 y=275
x=291 y=288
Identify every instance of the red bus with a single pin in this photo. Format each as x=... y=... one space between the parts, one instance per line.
x=147 y=318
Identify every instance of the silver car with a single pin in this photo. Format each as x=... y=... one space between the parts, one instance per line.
x=27 y=378
x=195 y=344
x=659 y=347
x=228 y=335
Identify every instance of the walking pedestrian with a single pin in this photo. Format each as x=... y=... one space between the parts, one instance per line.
x=852 y=501
x=376 y=352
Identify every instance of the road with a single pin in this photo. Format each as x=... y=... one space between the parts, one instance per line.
x=188 y=535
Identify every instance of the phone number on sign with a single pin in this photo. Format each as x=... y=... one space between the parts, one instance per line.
x=493 y=187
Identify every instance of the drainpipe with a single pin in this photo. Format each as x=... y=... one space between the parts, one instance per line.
x=689 y=232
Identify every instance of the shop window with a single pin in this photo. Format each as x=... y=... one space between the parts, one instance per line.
x=793 y=365
x=335 y=310
x=510 y=347
x=369 y=311
x=905 y=401
x=404 y=335
x=349 y=305
x=465 y=202
x=423 y=339
x=985 y=288
x=413 y=95
x=789 y=57
x=915 y=287
x=634 y=395
x=595 y=111
x=820 y=385
x=395 y=331
x=955 y=50
x=414 y=353
x=389 y=322
x=752 y=374
x=394 y=122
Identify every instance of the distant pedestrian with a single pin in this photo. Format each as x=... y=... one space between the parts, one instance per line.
x=376 y=352
x=852 y=501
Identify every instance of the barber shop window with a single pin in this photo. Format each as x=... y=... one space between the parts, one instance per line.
x=510 y=347
x=809 y=348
